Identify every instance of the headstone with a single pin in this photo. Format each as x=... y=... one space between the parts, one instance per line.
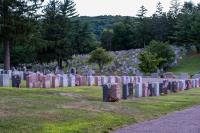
x=64 y=81
x=4 y=80
x=104 y=80
x=151 y=90
x=138 y=90
x=47 y=81
x=16 y=81
x=118 y=79
x=30 y=80
x=145 y=89
x=125 y=91
x=111 y=79
x=55 y=82
x=156 y=89
x=165 y=87
x=111 y=92
x=174 y=86
x=91 y=80
x=71 y=80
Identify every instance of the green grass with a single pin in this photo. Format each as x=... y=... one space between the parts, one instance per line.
x=81 y=110
x=189 y=64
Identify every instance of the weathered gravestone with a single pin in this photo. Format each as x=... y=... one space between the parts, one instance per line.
x=16 y=81
x=4 y=80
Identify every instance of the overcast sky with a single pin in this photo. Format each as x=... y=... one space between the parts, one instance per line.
x=119 y=7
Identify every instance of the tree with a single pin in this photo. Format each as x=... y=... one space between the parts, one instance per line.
x=83 y=41
x=159 y=9
x=106 y=39
x=101 y=57
x=148 y=62
x=195 y=31
x=163 y=52
x=142 y=12
x=124 y=36
x=175 y=8
x=159 y=24
x=56 y=31
x=143 y=27
x=17 y=18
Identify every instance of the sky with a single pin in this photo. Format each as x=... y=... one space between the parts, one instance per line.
x=119 y=7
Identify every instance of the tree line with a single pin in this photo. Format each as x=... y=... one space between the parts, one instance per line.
x=179 y=26
x=31 y=32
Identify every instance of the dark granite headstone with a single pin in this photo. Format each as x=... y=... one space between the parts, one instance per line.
x=16 y=81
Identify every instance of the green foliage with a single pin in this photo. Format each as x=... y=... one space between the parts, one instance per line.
x=101 y=57
x=189 y=64
x=82 y=40
x=106 y=39
x=148 y=62
x=163 y=52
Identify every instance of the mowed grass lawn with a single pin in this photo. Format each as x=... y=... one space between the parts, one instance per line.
x=81 y=110
x=189 y=64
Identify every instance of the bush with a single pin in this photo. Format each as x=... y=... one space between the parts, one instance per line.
x=148 y=62
x=163 y=52
x=101 y=57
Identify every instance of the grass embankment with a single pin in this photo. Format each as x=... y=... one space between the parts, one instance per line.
x=80 y=110
x=189 y=64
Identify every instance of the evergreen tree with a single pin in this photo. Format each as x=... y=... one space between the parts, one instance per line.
x=106 y=39
x=57 y=29
x=175 y=8
x=159 y=9
x=16 y=23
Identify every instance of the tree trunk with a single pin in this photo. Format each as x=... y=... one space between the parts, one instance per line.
x=101 y=68
x=7 y=55
x=60 y=63
x=198 y=49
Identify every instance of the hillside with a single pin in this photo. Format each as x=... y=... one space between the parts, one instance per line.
x=189 y=64
x=98 y=23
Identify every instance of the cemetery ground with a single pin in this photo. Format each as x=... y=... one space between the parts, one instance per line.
x=81 y=110
x=189 y=64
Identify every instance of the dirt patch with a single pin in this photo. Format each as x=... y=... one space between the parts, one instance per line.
x=70 y=95
x=4 y=113
x=83 y=106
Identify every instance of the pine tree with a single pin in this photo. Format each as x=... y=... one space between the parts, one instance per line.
x=16 y=23
x=159 y=9
x=57 y=29
x=142 y=12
